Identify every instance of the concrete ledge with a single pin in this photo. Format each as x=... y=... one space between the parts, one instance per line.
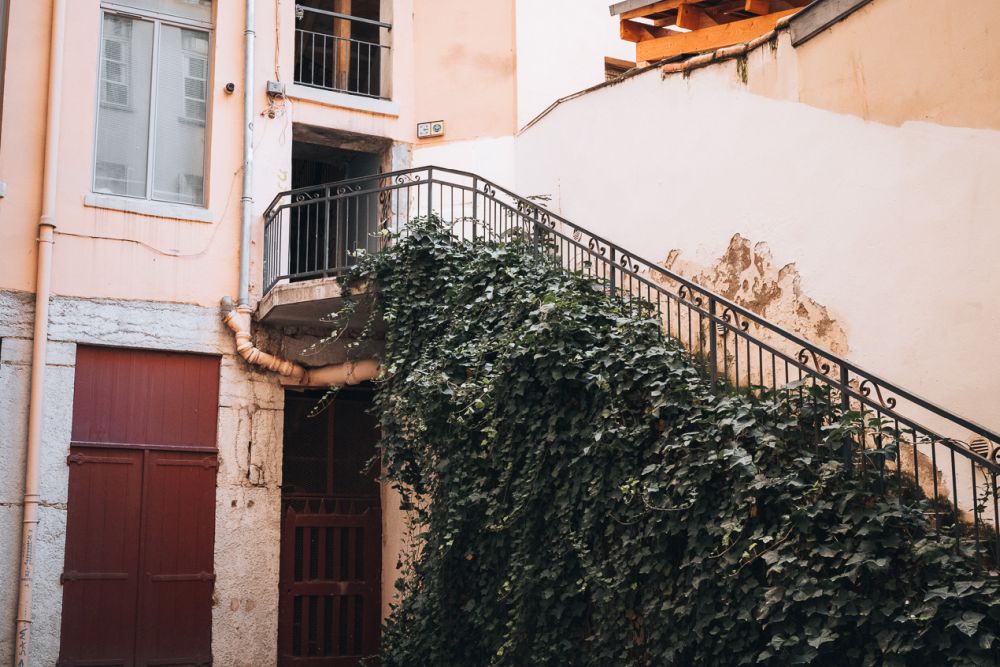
x=302 y=304
x=819 y=16
x=345 y=100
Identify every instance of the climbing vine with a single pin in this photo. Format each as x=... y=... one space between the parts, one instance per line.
x=580 y=495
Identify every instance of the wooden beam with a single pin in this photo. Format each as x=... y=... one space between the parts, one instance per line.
x=707 y=39
x=692 y=17
x=618 y=62
x=722 y=12
x=633 y=31
x=342 y=46
x=655 y=8
x=760 y=7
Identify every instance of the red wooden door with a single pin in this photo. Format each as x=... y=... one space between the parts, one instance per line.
x=138 y=575
x=331 y=540
x=100 y=579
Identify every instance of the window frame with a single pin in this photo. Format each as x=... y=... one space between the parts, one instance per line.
x=158 y=19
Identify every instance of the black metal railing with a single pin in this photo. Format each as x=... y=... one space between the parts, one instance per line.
x=910 y=441
x=341 y=62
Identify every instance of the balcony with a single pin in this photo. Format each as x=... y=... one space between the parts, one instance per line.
x=342 y=52
x=315 y=233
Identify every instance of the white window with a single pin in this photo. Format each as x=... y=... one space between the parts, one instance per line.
x=195 y=47
x=153 y=100
x=116 y=56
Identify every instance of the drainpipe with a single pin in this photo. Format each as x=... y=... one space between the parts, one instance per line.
x=238 y=319
x=246 y=201
x=43 y=280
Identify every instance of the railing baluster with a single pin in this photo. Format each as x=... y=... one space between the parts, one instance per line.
x=713 y=344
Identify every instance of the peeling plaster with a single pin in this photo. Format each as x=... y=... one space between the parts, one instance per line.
x=747 y=275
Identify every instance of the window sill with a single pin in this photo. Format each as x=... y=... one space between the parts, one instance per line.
x=156 y=209
x=345 y=100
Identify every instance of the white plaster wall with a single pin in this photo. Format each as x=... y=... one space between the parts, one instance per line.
x=248 y=494
x=490 y=158
x=894 y=229
x=561 y=45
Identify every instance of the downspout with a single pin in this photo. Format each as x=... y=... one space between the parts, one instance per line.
x=246 y=201
x=238 y=319
x=43 y=282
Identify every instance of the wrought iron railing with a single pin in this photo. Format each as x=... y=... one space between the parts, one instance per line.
x=338 y=62
x=316 y=232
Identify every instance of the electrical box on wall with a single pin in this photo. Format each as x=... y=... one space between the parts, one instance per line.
x=430 y=129
x=276 y=89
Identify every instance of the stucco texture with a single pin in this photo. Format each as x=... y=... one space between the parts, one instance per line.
x=888 y=218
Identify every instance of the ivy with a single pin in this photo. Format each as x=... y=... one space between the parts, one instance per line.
x=581 y=495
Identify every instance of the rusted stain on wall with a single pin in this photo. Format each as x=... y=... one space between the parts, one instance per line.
x=746 y=274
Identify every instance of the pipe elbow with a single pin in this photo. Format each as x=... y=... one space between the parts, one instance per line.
x=239 y=320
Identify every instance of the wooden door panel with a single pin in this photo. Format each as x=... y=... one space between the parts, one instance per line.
x=143 y=398
x=330 y=581
x=141 y=513
x=175 y=614
x=100 y=577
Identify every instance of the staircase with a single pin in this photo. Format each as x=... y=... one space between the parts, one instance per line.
x=316 y=232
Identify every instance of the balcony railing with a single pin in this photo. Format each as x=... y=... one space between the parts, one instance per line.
x=339 y=62
x=911 y=443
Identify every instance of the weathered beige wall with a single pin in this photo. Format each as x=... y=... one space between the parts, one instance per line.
x=155 y=258
x=465 y=68
x=908 y=60
x=878 y=192
x=21 y=145
x=116 y=254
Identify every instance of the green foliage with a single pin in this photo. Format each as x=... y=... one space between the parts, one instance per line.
x=582 y=496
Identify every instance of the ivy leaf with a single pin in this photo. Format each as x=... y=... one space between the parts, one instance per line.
x=968 y=622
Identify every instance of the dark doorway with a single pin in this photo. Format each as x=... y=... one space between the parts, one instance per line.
x=140 y=532
x=328 y=226
x=331 y=534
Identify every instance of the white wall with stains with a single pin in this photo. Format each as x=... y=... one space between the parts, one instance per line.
x=890 y=229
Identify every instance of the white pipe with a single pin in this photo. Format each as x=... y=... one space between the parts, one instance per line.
x=246 y=201
x=43 y=282
x=337 y=375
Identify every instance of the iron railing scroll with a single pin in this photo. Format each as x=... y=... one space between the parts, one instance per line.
x=318 y=231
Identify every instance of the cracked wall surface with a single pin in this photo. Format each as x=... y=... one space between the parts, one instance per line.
x=248 y=486
x=248 y=495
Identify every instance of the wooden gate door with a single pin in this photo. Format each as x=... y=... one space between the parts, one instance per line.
x=331 y=538
x=138 y=576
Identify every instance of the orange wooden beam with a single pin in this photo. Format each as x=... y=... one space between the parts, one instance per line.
x=707 y=39
x=759 y=6
x=693 y=17
x=633 y=31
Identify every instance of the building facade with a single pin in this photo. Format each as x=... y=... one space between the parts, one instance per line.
x=186 y=508
x=169 y=493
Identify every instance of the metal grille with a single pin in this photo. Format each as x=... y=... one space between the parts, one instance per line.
x=340 y=62
x=330 y=581
x=931 y=447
